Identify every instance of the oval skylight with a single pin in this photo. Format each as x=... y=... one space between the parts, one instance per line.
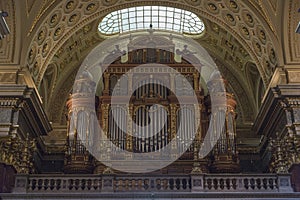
x=159 y=17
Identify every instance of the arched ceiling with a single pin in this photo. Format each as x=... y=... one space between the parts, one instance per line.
x=254 y=33
x=244 y=37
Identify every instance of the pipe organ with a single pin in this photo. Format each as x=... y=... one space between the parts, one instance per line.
x=224 y=153
x=147 y=114
x=152 y=102
x=149 y=93
x=81 y=128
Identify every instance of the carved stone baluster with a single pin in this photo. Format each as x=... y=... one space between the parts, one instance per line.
x=180 y=184
x=270 y=183
x=123 y=184
x=188 y=186
x=99 y=184
x=88 y=184
x=45 y=184
x=140 y=184
x=58 y=184
x=171 y=183
x=217 y=184
x=205 y=185
x=63 y=184
x=245 y=183
x=117 y=184
x=134 y=184
x=130 y=188
x=53 y=184
x=94 y=184
x=233 y=184
x=30 y=184
x=253 y=183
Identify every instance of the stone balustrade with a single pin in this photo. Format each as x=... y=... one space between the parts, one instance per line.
x=55 y=183
x=239 y=183
x=153 y=183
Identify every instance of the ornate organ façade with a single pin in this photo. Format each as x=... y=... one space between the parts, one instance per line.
x=145 y=93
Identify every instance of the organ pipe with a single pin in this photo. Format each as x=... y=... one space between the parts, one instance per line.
x=150 y=141
x=225 y=154
x=77 y=158
x=117 y=131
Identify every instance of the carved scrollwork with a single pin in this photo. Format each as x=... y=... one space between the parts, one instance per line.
x=213 y=8
x=91 y=8
x=272 y=54
x=46 y=47
x=70 y=5
x=18 y=152
x=74 y=18
x=248 y=19
x=261 y=34
x=232 y=5
x=34 y=69
x=32 y=54
x=229 y=18
x=41 y=36
x=244 y=31
x=55 y=19
x=58 y=33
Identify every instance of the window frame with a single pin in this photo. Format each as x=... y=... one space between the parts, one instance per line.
x=160 y=17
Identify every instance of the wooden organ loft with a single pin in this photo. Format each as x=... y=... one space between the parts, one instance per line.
x=144 y=89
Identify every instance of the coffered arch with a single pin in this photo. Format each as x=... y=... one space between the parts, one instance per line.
x=234 y=16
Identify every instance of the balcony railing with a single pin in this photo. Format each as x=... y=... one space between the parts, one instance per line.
x=152 y=183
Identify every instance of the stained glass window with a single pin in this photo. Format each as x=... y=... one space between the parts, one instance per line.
x=158 y=17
